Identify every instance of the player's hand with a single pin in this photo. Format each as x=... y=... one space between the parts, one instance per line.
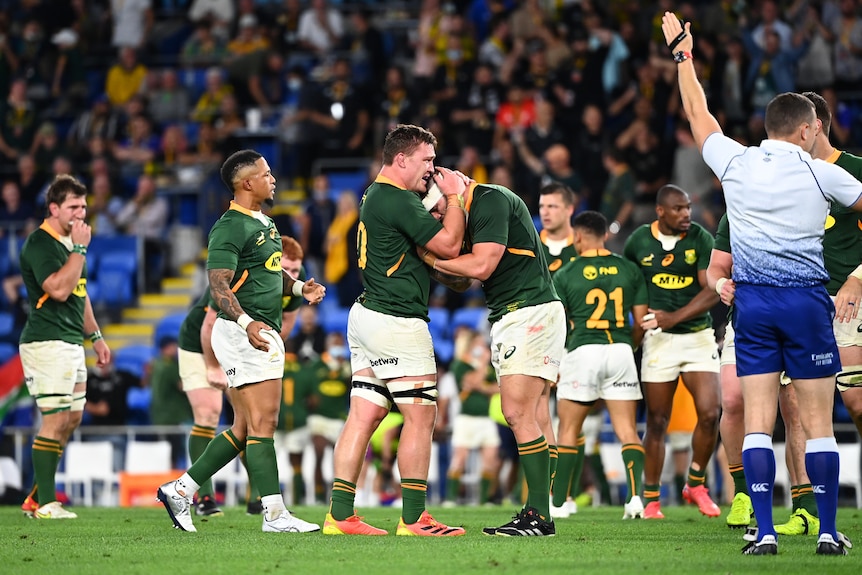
x=672 y=28
x=728 y=292
x=253 y=331
x=449 y=182
x=81 y=232
x=848 y=299
x=103 y=353
x=659 y=321
x=217 y=378
x=313 y=292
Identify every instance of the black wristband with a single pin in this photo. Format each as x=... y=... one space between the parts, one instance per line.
x=677 y=40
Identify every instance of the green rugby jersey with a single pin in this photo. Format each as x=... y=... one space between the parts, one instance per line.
x=474 y=403
x=842 y=242
x=598 y=291
x=672 y=275
x=44 y=252
x=392 y=222
x=293 y=413
x=566 y=255
x=330 y=387
x=190 y=330
x=250 y=245
x=521 y=279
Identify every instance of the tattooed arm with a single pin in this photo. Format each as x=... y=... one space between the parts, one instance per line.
x=226 y=300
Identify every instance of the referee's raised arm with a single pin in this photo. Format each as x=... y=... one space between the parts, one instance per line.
x=680 y=42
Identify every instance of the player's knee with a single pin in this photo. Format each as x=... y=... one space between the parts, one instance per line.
x=732 y=406
x=708 y=418
x=207 y=416
x=413 y=392
x=657 y=422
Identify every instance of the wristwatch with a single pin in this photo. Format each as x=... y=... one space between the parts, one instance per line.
x=680 y=57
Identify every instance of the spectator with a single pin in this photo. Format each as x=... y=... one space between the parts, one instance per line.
x=532 y=142
x=364 y=43
x=495 y=49
x=228 y=121
x=248 y=39
x=846 y=28
x=315 y=220
x=169 y=102
x=208 y=105
x=101 y=120
x=310 y=341
x=340 y=267
x=527 y=20
x=14 y=209
x=206 y=151
x=692 y=174
x=169 y=404
x=204 y=47
x=218 y=15
x=286 y=29
x=103 y=207
x=770 y=22
x=106 y=404
x=815 y=70
x=172 y=153
x=125 y=78
x=771 y=70
x=18 y=114
x=30 y=182
x=320 y=28
x=578 y=82
x=146 y=216
x=69 y=80
x=590 y=141
x=396 y=107
x=139 y=148
x=133 y=20
x=516 y=114
x=32 y=63
x=618 y=198
x=475 y=108
x=47 y=146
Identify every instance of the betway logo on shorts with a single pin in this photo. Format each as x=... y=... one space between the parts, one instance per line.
x=759 y=487
x=671 y=281
x=625 y=384
x=384 y=361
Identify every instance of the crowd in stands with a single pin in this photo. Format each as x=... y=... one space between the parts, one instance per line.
x=136 y=97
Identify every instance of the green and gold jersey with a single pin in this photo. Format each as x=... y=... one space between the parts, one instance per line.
x=392 y=222
x=295 y=393
x=598 y=291
x=249 y=244
x=672 y=274
x=45 y=252
x=565 y=255
x=330 y=387
x=521 y=279
x=842 y=242
x=722 y=235
x=190 y=330
x=474 y=402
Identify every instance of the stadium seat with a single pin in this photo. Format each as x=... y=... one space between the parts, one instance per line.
x=444 y=349
x=134 y=358
x=115 y=288
x=148 y=456
x=7 y=324
x=169 y=326
x=7 y=351
x=439 y=324
x=88 y=463
x=341 y=181
x=335 y=319
x=471 y=317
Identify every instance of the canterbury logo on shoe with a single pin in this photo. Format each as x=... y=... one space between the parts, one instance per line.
x=819 y=489
x=760 y=487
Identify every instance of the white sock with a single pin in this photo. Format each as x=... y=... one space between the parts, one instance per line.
x=273 y=506
x=187 y=485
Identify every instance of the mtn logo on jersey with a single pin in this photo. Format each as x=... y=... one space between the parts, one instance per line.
x=672 y=281
x=759 y=487
x=384 y=361
x=273 y=264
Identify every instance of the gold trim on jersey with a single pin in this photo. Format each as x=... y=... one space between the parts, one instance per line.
x=50 y=231
x=833 y=157
x=653 y=228
x=394 y=268
x=235 y=206
x=521 y=252
x=595 y=252
x=380 y=179
x=570 y=239
x=42 y=300
x=468 y=196
x=240 y=281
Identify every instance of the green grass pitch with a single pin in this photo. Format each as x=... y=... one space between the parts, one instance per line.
x=142 y=541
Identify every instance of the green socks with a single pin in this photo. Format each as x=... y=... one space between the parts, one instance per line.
x=220 y=451
x=199 y=438
x=565 y=469
x=535 y=460
x=738 y=475
x=633 y=458
x=262 y=466
x=413 y=495
x=46 y=456
x=343 y=499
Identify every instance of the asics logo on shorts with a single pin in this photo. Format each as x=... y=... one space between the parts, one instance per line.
x=759 y=487
x=509 y=352
x=819 y=489
x=859 y=328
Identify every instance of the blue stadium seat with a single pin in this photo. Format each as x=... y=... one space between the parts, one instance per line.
x=472 y=317
x=115 y=287
x=93 y=290
x=169 y=326
x=134 y=358
x=341 y=181
x=103 y=244
x=439 y=325
x=444 y=349
x=335 y=319
x=7 y=325
x=7 y=351
x=92 y=265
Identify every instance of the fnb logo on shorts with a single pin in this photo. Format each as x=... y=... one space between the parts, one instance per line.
x=759 y=487
x=552 y=361
x=819 y=489
x=384 y=361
